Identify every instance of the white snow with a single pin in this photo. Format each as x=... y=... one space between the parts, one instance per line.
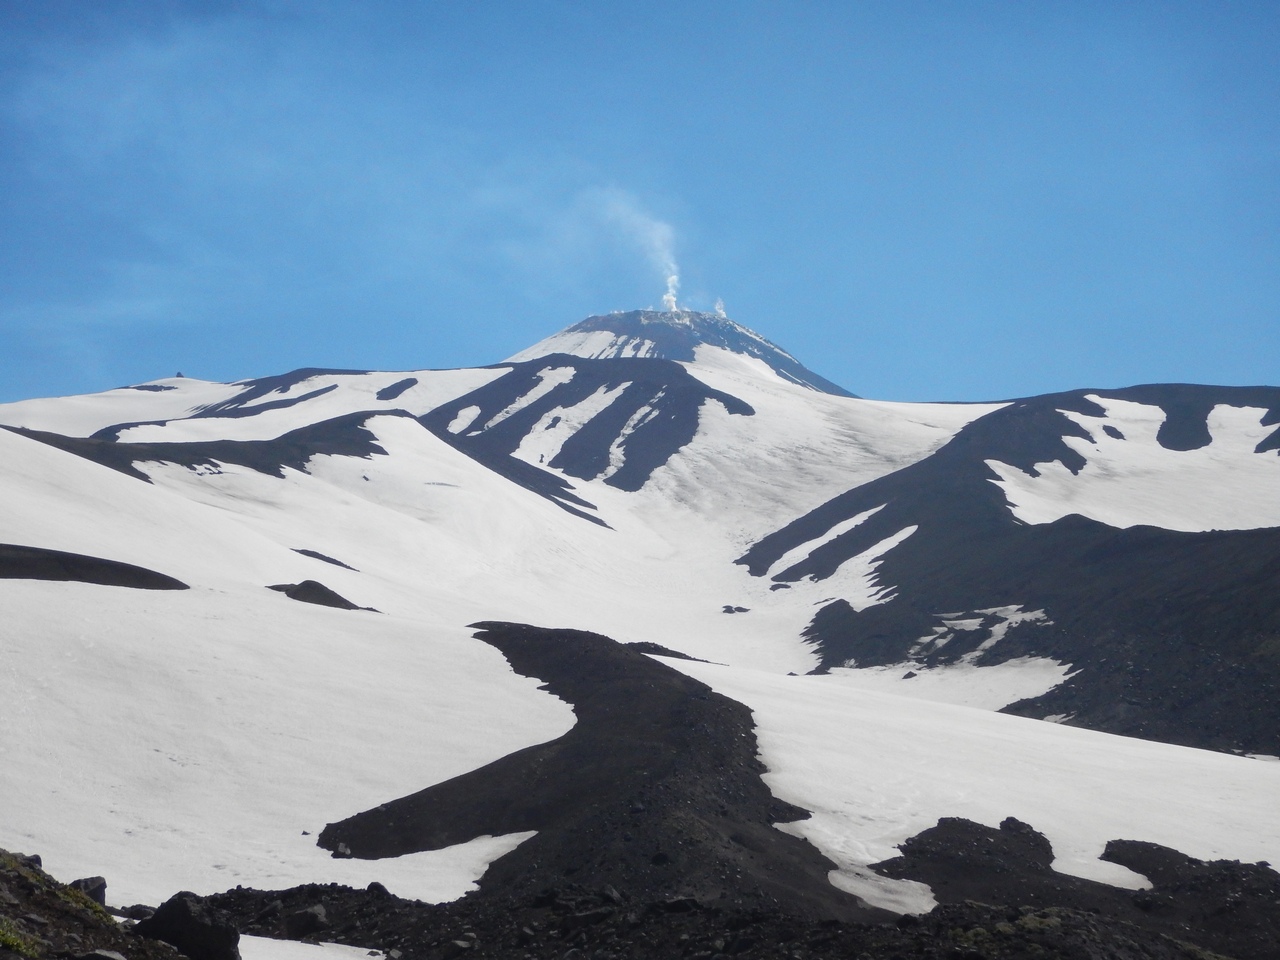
x=265 y=948
x=353 y=393
x=554 y=427
x=186 y=740
x=617 y=455
x=806 y=549
x=1134 y=480
x=1006 y=618
x=876 y=769
x=81 y=416
x=548 y=380
x=963 y=683
x=463 y=419
x=592 y=345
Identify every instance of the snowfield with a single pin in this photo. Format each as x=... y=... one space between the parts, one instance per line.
x=197 y=740
x=200 y=739
x=1130 y=479
x=876 y=769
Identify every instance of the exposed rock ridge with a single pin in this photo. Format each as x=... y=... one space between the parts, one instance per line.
x=656 y=791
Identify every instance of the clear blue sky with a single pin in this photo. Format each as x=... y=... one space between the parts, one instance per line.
x=927 y=200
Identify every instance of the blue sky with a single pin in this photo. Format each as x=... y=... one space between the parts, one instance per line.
x=933 y=200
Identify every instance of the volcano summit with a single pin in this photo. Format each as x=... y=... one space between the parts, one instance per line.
x=674 y=335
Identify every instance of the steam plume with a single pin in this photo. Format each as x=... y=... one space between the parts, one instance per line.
x=673 y=287
x=656 y=237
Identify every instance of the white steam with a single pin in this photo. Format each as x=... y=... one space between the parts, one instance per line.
x=669 y=298
x=655 y=237
x=720 y=309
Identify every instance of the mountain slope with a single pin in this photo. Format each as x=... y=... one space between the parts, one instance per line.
x=873 y=580
x=1171 y=630
x=674 y=335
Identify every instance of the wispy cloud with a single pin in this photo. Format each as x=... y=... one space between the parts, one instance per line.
x=655 y=237
x=568 y=241
x=198 y=173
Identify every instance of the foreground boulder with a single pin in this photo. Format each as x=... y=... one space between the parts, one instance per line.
x=195 y=927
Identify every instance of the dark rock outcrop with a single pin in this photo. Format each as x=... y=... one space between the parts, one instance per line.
x=42 y=919
x=313 y=591
x=1229 y=907
x=196 y=927
x=95 y=888
x=576 y=924
x=39 y=563
x=656 y=791
x=1173 y=635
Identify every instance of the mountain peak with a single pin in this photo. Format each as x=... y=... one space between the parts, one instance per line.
x=673 y=335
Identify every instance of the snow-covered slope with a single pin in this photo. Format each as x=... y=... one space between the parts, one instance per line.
x=1103 y=557
x=674 y=335
x=1132 y=534
x=1130 y=478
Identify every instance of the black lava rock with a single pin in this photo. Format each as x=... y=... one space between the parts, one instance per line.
x=194 y=926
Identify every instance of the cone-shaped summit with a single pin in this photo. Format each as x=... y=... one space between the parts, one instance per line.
x=674 y=335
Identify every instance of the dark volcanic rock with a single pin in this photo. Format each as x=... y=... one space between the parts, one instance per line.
x=313 y=591
x=658 y=650
x=656 y=791
x=42 y=918
x=570 y=922
x=39 y=563
x=316 y=555
x=394 y=390
x=1174 y=635
x=654 y=414
x=1236 y=905
x=95 y=888
x=196 y=927
x=1226 y=906
x=344 y=436
x=306 y=922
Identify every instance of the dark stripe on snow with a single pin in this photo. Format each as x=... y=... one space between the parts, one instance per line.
x=342 y=436
x=39 y=563
x=1174 y=634
x=655 y=791
x=674 y=397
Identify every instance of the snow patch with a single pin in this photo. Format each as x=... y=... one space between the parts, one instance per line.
x=237 y=722
x=541 y=444
x=806 y=549
x=465 y=418
x=1130 y=479
x=592 y=345
x=548 y=380
x=268 y=948
x=856 y=579
x=962 y=683
x=1006 y=618
x=876 y=769
x=638 y=419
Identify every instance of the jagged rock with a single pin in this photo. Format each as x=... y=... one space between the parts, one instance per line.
x=95 y=888
x=313 y=591
x=42 y=919
x=553 y=925
x=198 y=929
x=305 y=922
